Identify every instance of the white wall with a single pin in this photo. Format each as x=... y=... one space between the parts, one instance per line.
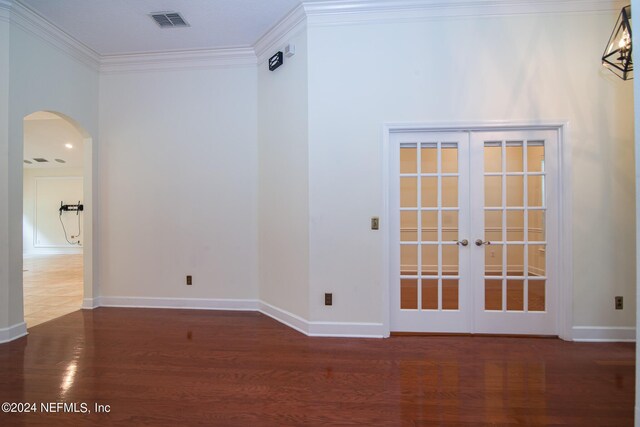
x=283 y=181
x=4 y=170
x=178 y=162
x=522 y=68
x=42 y=76
x=44 y=188
x=191 y=158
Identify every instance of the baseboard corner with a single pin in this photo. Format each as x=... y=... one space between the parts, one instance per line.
x=286 y=318
x=90 y=303
x=13 y=332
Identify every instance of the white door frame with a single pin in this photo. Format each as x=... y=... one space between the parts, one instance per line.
x=564 y=289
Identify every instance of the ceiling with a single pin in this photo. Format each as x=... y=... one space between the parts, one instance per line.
x=45 y=136
x=124 y=26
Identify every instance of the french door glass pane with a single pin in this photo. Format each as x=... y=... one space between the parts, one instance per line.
x=429 y=260
x=409 y=260
x=536 y=295
x=493 y=260
x=449 y=226
x=493 y=294
x=515 y=225
x=429 y=192
x=429 y=158
x=492 y=157
x=450 y=158
x=535 y=156
x=493 y=191
x=408 y=192
x=515 y=194
x=535 y=190
x=450 y=260
x=409 y=293
x=515 y=295
x=450 y=191
x=408 y=160
x=493 y=226
x=514 y=156
x=408 y=226
x=429 y=294
x=537 y=260
x=536 y=226
x=450 y=294
x=515 y=260
x=429 y=226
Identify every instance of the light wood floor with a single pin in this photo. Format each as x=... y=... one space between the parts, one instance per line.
x=52 y=287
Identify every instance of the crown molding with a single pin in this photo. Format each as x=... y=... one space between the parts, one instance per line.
x=338 y=12
x=286 y=27
x=5 y=10
x=31 y=22
x=178 y=60
x=310 y=12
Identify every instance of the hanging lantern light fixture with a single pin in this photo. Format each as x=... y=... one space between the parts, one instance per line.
x=617 y=54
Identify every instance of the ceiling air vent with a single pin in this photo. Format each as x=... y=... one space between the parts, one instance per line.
x=169 y=19
x=28 y=162
x=40 y=160
x=60 y=161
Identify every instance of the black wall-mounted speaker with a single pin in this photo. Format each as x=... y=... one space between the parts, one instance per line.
x=275 y=61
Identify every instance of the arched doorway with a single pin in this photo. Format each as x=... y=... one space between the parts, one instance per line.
x=57 y=219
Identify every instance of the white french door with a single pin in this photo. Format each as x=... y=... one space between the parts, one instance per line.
x=474 y=232
x=430 y=228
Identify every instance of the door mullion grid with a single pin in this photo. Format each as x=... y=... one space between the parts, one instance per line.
x=419 y=222
x=525 y=229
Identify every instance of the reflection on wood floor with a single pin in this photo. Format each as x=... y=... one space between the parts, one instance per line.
x=52 y=286
x=215 y=368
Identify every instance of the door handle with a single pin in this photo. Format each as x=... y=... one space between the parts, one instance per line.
x=479 y=242
x=464 y=242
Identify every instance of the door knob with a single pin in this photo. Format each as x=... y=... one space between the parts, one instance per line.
x=464 y=242
x=479 y=242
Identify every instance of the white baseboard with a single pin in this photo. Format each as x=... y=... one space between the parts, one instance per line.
x=346 y=329
x=90 y=303
x=186 y=303
x=314 y=329
x=291 y=320
x=323 y=329
x=604 y=334
x=13 y=332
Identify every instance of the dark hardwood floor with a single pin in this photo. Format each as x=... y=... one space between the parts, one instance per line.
x=190 y=367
